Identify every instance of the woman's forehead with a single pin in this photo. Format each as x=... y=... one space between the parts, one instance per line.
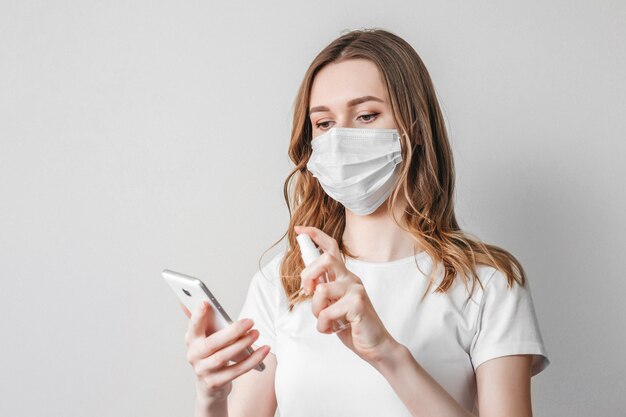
x=338 y=83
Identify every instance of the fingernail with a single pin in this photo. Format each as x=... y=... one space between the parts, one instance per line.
x=247 y=322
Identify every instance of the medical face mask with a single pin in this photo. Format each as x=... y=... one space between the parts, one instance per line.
x=357 y=167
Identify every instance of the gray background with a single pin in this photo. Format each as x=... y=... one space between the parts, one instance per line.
x=137 y=136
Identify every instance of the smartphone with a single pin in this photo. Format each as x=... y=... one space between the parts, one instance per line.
x=191 y=292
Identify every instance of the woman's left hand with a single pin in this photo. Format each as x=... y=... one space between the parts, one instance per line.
x=366 y=336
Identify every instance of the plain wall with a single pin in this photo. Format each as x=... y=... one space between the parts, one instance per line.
x=138 y=136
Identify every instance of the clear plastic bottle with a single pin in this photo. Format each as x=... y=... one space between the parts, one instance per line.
x=310 y=252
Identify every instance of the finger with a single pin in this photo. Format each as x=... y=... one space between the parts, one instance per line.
x=239 y=356
x=221 y=358
x=324 y=266
x=233 y=371
x=332 y=313
x=218 y=340
x=198 y=321
x=252 y=361
x=185 y=310
x=327 y=293
x=324 y=241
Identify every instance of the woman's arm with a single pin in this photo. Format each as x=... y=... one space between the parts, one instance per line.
x=503 y=386
x=252 y=394
x=207 y=408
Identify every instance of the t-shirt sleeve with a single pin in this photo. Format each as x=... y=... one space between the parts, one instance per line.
x=507 y=324
x=260 y=305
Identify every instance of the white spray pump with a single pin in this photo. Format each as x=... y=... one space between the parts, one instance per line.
x=310 y=252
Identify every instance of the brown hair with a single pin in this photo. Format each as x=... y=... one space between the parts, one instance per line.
x=426 y=178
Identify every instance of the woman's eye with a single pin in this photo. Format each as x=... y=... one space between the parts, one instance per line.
x=370 y=117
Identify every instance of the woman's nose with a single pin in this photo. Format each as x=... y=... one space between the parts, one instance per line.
x=344 y=122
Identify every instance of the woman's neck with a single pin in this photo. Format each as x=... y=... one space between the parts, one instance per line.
x=376 y=237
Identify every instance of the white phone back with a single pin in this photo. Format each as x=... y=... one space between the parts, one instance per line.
x=192 y=291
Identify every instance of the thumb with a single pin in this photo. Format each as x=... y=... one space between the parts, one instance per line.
x=185 y=310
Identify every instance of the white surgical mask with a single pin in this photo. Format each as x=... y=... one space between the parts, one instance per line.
x=357 y=167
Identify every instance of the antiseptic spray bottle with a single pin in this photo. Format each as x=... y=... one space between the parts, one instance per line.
x=310 y=252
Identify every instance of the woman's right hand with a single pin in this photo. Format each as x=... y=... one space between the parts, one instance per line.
x=209 y=351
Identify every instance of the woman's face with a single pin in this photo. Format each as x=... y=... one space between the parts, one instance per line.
x=349 y=94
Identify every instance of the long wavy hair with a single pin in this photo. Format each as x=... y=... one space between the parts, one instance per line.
x=426 y=179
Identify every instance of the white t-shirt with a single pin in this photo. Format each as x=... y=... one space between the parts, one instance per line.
x=317 y=375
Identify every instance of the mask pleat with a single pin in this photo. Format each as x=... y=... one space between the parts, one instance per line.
x=357 y=167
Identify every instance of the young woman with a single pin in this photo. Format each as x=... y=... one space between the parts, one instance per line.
x=441 y=324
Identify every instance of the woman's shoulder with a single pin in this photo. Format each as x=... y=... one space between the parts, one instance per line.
x=483 y=273
x=486 y=273
x=269 y=273
x=273 y=265
x=495 y=281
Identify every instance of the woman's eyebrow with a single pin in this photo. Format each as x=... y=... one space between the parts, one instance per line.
x=351 y=103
